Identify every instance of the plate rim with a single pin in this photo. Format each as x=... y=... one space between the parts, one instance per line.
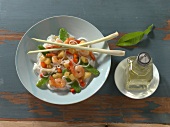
x=80 y=100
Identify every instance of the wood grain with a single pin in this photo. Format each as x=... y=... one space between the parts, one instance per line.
x=118 y=107
x=167 y=30
x=69 y=124
x=9 y=35
x=108 y=105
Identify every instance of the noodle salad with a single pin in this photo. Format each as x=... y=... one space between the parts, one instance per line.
x=66 y=69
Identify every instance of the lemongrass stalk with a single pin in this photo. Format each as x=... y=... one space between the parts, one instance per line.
x=110 y=52
x=109 y=37
x=46 y=50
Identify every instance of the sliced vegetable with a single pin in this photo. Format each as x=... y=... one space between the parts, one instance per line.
x=75 y=58
x=133 y=38
x=66 y=74
x=59 y=70
x=87 y=75
x=43 y=64
x=63 y=34
x=82 y=83
x=41 y=75
x=93 y=70
x=71 y=76
x=50 y=54
x=68 y=80
x=75 y=86
x=84 y=59
x=40 y=47
x=41 y=83
x=92 y=56
x=72 y=90
x=78 y=41
x=64 y=70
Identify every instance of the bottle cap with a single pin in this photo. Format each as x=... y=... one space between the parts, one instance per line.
x=143 y=58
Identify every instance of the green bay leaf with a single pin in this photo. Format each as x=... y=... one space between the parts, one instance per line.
x=133 y=38
x=148 y=30
x=130 y=39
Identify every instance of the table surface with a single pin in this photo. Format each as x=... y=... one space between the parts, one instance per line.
x=108 y=105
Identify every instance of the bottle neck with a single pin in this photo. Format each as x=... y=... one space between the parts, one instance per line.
x=138 y=64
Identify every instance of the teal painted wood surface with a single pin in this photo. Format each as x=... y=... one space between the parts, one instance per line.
x=108 y=104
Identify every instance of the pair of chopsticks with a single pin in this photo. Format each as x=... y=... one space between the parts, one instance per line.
x=80 y=46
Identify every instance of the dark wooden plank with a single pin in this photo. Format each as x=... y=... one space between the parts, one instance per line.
x=69 y=124
x=106 y=108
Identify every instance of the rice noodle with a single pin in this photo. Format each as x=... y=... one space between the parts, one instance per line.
x=82 y=38
x=51 y=38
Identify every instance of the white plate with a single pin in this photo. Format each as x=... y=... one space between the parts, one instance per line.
x=78 y=28
x=120 y=82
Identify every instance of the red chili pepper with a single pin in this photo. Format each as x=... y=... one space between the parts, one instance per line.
x=82 y=83
x=72 y=90
x=78 y=41
x=41 y=75
x=59 y=70
x=43 y=65
x=70 y=63
x=67 y=52
x=75 y=58
x=50 y=54
x=75 y=55
x=92 y=56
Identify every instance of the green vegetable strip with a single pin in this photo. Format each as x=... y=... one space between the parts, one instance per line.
x=40 y=47
x=42 y=82
x=93 y=70
x=75 y=85
x=64 y=70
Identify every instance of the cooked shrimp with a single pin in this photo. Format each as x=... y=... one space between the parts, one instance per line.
x=68 y=40
x=56 y=60
x=59 y=40
x=84 y=52
x=73 y=42
x=58 y=83
x=77 y=71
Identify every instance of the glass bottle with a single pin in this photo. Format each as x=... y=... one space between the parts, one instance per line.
x=139 y=72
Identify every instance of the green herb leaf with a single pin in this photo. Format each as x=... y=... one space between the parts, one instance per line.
x=75 y=85
x=63 y=34
x=90 y=68
x=130 y=39
x=40 y=47
x=148 y=30
x=133 y=38
x=64 y=70
x=68 y=79
x=42 y=82
x=93 y=70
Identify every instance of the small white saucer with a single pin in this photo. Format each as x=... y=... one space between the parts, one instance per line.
x=120 y=82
